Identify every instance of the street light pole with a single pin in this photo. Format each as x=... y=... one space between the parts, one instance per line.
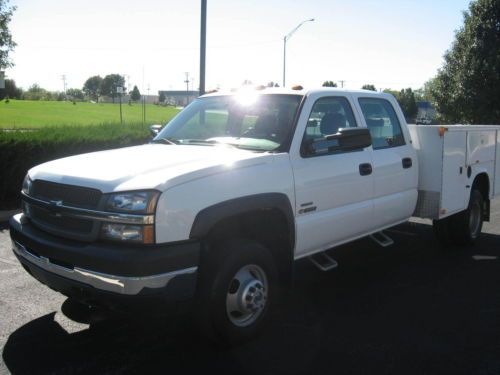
x=284 y=59
x=203 y=45
x=285 y=39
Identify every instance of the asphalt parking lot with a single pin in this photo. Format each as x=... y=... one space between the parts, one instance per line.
x=407 y=309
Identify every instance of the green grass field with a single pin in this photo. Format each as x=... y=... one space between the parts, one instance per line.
x=33 y=114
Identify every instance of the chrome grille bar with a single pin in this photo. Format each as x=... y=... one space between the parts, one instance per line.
x=83 y=213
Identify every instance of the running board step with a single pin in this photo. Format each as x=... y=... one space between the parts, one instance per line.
x=382 y=239
x=323 y=261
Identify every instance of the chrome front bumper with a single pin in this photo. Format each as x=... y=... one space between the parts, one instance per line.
x=110 y=283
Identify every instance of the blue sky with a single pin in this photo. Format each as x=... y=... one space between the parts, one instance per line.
x=390 y=43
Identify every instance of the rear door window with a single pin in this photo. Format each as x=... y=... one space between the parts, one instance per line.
x=383 y=123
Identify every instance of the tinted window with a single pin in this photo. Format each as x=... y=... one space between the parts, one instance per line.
x=383 y=123
x=328 y=116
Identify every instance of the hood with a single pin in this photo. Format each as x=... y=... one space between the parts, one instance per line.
x=151 y=166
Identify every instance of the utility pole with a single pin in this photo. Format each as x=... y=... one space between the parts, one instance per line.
x=143 y=109
x=203 y=45
x=143 y=100
x=127 y=76
x=187 y=87
x=342 y=84
x=63 y=77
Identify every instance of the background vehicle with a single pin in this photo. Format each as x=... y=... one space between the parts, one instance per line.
x=425 y=113
x=214 y=212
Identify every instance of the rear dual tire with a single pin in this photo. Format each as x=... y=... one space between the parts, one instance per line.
x=463 y=228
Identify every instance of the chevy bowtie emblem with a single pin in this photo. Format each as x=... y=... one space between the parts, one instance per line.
x=54 y=207
x=56 y=203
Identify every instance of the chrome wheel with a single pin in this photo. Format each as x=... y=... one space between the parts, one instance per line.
x=475 y=219
x=246 y=295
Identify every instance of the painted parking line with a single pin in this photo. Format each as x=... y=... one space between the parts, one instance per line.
x=484 y=257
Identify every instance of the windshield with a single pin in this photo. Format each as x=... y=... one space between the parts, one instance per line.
x=252 y=121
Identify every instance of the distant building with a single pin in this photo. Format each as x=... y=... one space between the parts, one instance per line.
x=179 y=98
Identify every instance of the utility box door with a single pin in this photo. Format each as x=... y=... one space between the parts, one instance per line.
x=454 y=178
x=480 y=146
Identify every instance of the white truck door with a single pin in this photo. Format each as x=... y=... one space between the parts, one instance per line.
x=333 y=188
x=395 y=164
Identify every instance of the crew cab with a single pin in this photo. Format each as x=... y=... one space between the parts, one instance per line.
x=212 y=213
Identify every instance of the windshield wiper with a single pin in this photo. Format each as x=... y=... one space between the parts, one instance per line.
x=199 y=141
x=246 y=147
x=167 y=141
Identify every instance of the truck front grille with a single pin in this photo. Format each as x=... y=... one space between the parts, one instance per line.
x=69 y=196
x=69 y=225
x=76 y=196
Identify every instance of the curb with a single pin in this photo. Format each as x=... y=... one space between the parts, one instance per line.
x=6 y=215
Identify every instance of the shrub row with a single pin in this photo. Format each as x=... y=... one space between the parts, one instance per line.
x=22 y=150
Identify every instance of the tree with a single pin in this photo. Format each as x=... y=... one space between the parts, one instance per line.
x=110 y=83
x=392 y=92
x=162 y=97
x=35 y=92
x=11 y=90
x=369 y=87
x=75 y=94
x=467 y=87
x=407 y=102
x=136 y=94
x=92 y=87
x=329 y=84
x=7 y=44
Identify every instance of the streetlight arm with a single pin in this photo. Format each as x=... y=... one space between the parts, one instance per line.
x=285 y=38
x=289 y=35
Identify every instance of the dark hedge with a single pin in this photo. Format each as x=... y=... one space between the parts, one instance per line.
x=22 y=150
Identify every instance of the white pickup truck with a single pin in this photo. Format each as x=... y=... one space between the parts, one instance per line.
x=215 y=210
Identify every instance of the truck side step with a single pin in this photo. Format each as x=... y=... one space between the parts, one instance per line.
x=382 y=239
x=323 y=261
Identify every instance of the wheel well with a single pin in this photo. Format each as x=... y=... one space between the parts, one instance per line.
x=268 y=227
x=482 y=183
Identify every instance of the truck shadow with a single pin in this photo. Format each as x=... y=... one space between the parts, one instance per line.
x=410 y=308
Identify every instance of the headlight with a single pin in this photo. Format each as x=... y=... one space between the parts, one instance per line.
x=27 y=185
x=129 y=233
x=132 y=202
x=135 y=202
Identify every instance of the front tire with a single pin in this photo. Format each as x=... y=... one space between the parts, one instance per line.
x=237 y=291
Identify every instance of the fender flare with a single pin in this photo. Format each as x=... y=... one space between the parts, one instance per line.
x=207 y=218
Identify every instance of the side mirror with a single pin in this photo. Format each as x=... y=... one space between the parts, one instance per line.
x=155 y=129
x=346 y=139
